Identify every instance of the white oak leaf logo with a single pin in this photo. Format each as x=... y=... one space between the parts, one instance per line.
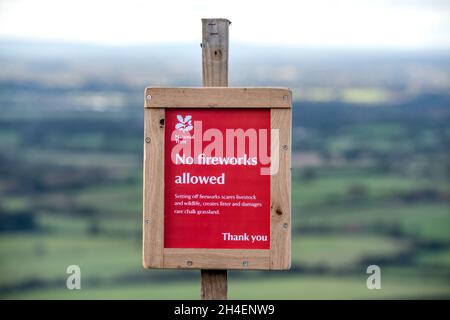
x=184 y=124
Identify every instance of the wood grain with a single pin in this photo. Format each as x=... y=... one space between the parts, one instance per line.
x=214 y=283
x=153 y=196
x=216 y=97
x=216 y=259
x=280 y=193
x=215 y=52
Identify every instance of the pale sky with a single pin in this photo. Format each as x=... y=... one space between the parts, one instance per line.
x=315 y=23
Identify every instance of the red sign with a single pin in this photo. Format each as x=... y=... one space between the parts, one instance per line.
x=217 y=185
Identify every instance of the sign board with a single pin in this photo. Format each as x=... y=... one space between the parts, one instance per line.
x=217 y=178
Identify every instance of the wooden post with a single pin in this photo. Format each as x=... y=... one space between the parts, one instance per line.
x=214 y=284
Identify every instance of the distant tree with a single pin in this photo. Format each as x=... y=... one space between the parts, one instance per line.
x=94 y=227
x=308 y=174
x=358 y=191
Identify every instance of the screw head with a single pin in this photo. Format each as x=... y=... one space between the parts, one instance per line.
x=189 y=263
x=285 y=225
x=285 y=147
x=245 y=263
x=149 y=96
x=147 y=221
x=147 y=139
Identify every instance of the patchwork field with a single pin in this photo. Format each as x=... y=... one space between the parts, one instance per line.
x=375 y=190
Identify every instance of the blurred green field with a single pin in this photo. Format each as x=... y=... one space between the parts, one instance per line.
x=111 y=270
x=307 y=287
x=50 y=254
x=377 y=193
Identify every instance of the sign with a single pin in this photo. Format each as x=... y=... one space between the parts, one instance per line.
x=214 y=199
x=217 y=178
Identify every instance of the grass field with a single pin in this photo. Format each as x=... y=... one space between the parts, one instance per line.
x=290 y=288
x=71 y=193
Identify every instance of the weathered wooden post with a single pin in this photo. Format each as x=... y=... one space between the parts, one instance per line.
x=215 y=74
x=217 y=180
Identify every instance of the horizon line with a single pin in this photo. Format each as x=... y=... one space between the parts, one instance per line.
x=123 y=45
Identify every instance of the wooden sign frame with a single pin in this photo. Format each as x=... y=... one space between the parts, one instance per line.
x=157 y=99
